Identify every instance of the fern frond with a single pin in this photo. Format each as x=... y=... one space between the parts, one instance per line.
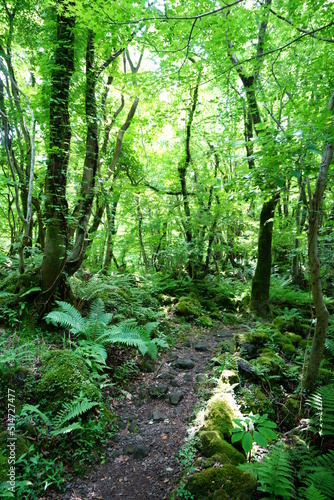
x=313 y=494
x=68 y=317
x=149 y=327
x=322 y=402
x=34 y=409
x=276 y=473
x=73 y=410
x=320 y=473
x=66 y=430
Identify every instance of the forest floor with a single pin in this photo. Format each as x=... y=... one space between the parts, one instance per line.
x=142 y=459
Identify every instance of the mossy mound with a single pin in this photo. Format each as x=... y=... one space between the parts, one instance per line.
x=255 y=401
x=64 y=376
x=220 y=412
x=229 y=377
x=226 y=482
x=205 y=321
x=228 y=345
x=269 y=360
x=230 y=319
x=290 y=411
x=293 y=338
x=19 y=379
x=188 y=306
x=258 y=338
x=289 y=350
x=292 y=324
x=211 y=444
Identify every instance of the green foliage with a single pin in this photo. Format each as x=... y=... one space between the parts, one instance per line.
x=322 y=404
x=253 y=428
x=275 y=473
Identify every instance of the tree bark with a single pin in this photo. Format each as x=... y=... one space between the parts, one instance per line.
x=321 y=312
x=261 y=279
x=56 y=242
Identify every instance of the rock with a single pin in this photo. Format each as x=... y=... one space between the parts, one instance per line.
x=175 y=398
x=133 y=427
x=175 y=383
x=184 y=364
x=222 y=482
x=178 y=411
x=137 y=450
x=202 y=347
x=248 y=350
x=188 y=378
x=245 y=368
x=229 y=376
x=211 y=444
x=188 y=306
x=165 y=376
x=157 y=391
x=219 y=414
x=201 y=378
x=158 y=416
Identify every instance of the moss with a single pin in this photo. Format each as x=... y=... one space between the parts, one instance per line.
x=64 y=376
x=220 y=412
x=230 y=377
x=230 y=319
x=4 y=467
x=205 y=321
x=216 y=314
x=257 y=338
x=211 y=443
x=188 y=306
x=224 y=482
x=254 y=400
x=289 y=350
x=293 y=337
x=20 y=379
x=222 y=300
x=21 y=445
x=269 y=359
x=290 y=411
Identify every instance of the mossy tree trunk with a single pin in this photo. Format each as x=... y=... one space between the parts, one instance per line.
x=261 y=279
x=56 y=240
x=321 y=312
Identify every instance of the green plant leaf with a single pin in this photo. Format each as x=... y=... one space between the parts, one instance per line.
x=247 y=442
x=260 y=439
x=237 y=436
x=267 y=433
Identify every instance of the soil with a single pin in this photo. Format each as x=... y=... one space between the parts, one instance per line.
x=157 y=474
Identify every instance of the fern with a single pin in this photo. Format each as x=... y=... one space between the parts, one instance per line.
x=131 y=334
x=68 y=317
x=313 y=494
x=73 y=410
x=275 y=473
x=322 y=403
x=319 y=473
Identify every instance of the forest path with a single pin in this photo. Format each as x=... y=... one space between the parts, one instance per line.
x=142 y=458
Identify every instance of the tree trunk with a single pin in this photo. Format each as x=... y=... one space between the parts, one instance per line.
x=261 y=279
x=111 y=229
x=56 y=241
x=321 y=312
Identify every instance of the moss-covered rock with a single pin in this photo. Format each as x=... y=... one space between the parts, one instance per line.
x=290 y=411
x=229 y=345
x=229 y=377
x=64 y=376
x=270 y=360
x=211 y=444
x=188 y=306
x=20 y=379
x=255 y=401
x=325 y=376
x=205 y=321
x=230 y=319
x=226 y=483
x=220 y=412
x=289 y=350
x=293 y=338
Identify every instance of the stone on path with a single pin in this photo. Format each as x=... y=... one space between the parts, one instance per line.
x=158 y=416
x=184 y=364
x=202 y=347
x=175 y=398
x=157 y=391
x=137 y=450
x=245 y=368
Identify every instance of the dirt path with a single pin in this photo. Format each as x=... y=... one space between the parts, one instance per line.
x=142 y=459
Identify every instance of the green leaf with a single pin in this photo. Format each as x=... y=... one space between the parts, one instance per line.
x=267 y=433
x=247 y=442
x=259 y=439
x=237 y=436
x=280 y=181
x=313 y=149
x=269 y=423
